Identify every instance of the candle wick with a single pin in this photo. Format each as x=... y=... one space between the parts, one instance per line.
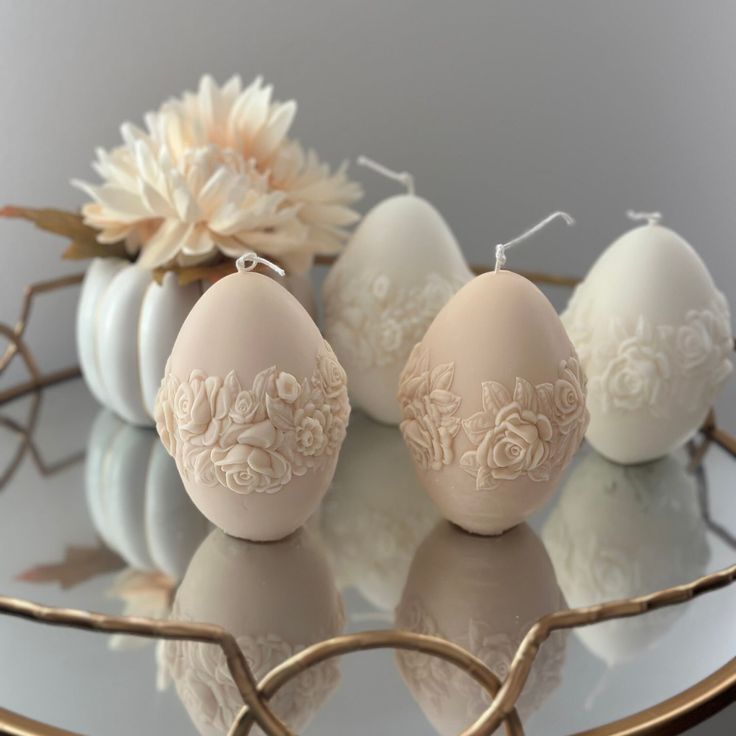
x=501 y=248
x=248 y=261
x=652 y=218
x=401 y=176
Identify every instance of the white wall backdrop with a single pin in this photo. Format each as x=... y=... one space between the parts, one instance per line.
x=503 y=110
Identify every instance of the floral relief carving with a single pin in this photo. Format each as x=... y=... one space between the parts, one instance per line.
x=373 y=321
x=637 y=365
x=254 y=439
x=429 y=408
x=530 y=430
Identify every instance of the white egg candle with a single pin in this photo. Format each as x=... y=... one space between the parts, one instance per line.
x=253 y=406
x=400 y=267
x=654 y=337
x=493 y=401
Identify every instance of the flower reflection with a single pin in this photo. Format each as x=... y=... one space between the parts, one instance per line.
x=276 y=599
x=484 y=594
x=375 y=514
x=621 y=531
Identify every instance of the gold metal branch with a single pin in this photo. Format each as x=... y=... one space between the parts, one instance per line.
x=527 y=652
x=158 y=629
x=18 y=346
x=363 y=641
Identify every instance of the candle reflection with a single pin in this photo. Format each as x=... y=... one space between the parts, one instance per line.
x=483 y=593
x=375 y=514
x=276 y=599
x=622 y=531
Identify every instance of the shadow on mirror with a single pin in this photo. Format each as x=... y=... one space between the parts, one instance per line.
x=620 y=531
x=253 y=590
x=483 y=593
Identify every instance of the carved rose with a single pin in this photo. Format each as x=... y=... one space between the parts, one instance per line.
x=198 y=411
x=519 y=443
x=428 y=407
x=253 y=440
x=332 y=374
x=512 y=435
x=569 y=395
x=638 y=375
x=252 y=466
x=312 y=427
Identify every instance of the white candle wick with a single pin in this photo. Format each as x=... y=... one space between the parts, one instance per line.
x=652 y=218
x=248 y=261
x=501 y=248
x=401 y=176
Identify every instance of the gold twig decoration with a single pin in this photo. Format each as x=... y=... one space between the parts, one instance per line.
x=524 y=659
x=18 y=346
x=158 y=629
x=271 y=683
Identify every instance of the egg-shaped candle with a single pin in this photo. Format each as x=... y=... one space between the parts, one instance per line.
x=398 y=270
x=253 y=406
x=654 y=337
x=493 y=401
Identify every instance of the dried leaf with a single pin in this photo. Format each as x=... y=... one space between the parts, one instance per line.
x=79 y=564
x=188 y=274
x=69 y=225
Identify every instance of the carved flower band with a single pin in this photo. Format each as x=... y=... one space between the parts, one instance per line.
x=638 y=365
x=254 y=439
x=528 y=430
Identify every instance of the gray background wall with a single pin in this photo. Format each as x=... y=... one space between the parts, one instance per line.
x=504 y=111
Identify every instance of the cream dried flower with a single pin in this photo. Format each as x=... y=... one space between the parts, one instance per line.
x=215 y=172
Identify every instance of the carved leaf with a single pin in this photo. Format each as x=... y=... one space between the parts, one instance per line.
x=495 y=396
x=279 y=412
x=525 y=395
x=441 y=376
x=478 y=426
x=69 y=225
x=79 y=564
x=446 y=402
x=484 y=481
x=469 y=462
x=545 y=399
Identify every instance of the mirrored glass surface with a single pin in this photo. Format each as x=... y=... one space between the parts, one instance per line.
x=93 y=516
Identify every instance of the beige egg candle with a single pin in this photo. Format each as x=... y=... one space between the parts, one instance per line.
x=398 y=270
x=654 y=337
x=253 y=406
x=493 y=401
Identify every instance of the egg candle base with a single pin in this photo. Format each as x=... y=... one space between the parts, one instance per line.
x=255 y=517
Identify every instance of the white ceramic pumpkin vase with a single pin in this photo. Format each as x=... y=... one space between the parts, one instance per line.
x=126 y=326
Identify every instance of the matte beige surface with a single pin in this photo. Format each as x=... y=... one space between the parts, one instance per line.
x=498 y=327
x=247 y=322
